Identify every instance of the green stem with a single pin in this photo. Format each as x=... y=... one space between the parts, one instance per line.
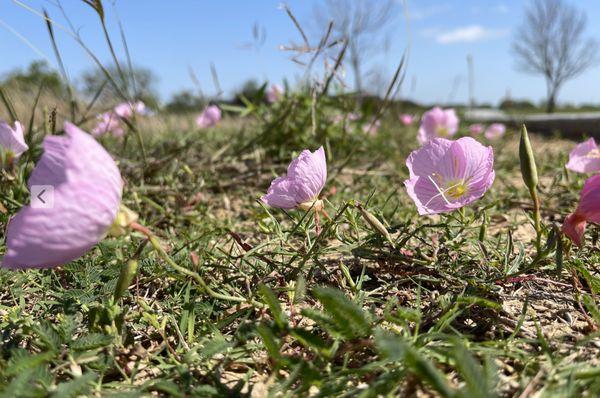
x=185 y=271
x=536 y=219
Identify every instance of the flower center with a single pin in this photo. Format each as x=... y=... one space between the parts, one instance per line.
x=594 y=153
x=456 y=189
x=443 y=131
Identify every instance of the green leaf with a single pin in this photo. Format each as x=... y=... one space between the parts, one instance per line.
x=21 y=360
x=80 y=386
x=426 y=371
x=349 y=318
x=269 y=340
x=91 y=342
x=271 y=300
x=592 y=308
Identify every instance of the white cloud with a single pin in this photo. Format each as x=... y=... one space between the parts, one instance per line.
x=467 y=34
x=419 y=14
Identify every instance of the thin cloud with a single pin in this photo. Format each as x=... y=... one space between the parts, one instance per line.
x=469 y=34
x=419 y=14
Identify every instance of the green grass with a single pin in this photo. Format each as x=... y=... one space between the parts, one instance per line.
x=429 y=310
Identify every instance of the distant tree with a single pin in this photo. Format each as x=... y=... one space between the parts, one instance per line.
x=250 y=90
x=142 y=85
x=184 y=101
x=36 y=74
x=551 y=42
x=363 y=23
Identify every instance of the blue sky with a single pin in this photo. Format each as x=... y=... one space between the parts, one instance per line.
x=170 y=37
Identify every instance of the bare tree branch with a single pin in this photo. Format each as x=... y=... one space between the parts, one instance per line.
x=551 y=42
x=360 y=23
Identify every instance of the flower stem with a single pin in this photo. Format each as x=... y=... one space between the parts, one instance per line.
x=536 y=219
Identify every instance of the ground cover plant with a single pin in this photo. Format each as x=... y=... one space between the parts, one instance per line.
x=300 y=244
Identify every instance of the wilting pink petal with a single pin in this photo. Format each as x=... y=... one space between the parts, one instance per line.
x=274 y=93
x=108 y=122
x=476 y=128
x=585 y=157
x=407 y=119
x=446 y=175
x=87 y=193
x=305 y=178
x=588 y=210
x=12 y=140
x=126 y=110
x=495 y=130
x=209 y=117
x=437 y=122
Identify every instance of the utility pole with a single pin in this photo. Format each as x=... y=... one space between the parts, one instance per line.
x=471 y=81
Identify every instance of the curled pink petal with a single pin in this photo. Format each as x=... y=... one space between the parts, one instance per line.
x=12 y=140
x=437 y=122
x=209 y=117
x=585 y=157
x=446 y=175
x=87 y=194
x=306 y=176
x=588 y=210
x=495 y=130
x=574 y=228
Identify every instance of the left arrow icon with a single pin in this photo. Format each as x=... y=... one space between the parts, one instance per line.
x=39 y=196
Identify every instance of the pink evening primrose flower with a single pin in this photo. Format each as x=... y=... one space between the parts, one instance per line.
x=126 y=110
x=588 y=210
x=371 y=128
x=87 y=194
x=585 y=157
x=302 y=185
x=446 y=175
x=108 y=122
x=495 y=130
x=209 y=117
x=274 y=93
x=437 y=122
x=407 y=119
x=476 y=128
x=12 y=140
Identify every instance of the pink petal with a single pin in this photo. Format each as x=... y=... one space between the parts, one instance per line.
x=11 y=139
x=87 y=193
x=585 y=158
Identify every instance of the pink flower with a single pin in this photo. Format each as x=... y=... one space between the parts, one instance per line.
x=371 y=128
x=437 y=122
x=588 y=210
x=108 y=122
x=407 y=119
x=353 y=116
x=495 y=130
x=585 y=157
x=476 y=128
x=87 y=194
x=12 y=140
x=274 y=93
x=302 y=185
x=126 y=110
x=209 y=117
x=446 y=175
